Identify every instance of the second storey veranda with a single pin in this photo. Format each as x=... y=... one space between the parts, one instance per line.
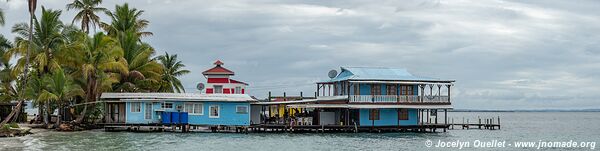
x=380 y=85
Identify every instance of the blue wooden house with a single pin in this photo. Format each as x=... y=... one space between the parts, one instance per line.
x=224 y=104
x=375 y=97
x=178 y=108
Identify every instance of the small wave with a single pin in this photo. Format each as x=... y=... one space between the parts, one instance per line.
x=31 y=142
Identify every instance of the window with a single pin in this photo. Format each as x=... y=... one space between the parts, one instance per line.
x=241 y=109
x=214 y=111
x=391 y=90
x=167 y=105
x=194 y=108
x=375 y=89
x=406 y=90
x=148 y=111
x=238 y=90
x=374 y=114
x=218 y=88
x=402 y=114
x=136 y=107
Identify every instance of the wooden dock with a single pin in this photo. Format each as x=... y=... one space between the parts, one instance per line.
x=482 y=123
x=346 y=128
x=486 y=123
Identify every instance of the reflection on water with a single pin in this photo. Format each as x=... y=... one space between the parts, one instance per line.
x=527 y=126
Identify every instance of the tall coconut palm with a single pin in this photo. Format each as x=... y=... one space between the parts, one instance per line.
x=87 y=13
x=143 y=73
x=94 y=59
x=126 y=19
x=60 y=89
x=172 y=68
x=47 y=41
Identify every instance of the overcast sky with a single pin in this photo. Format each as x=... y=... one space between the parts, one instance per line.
x=503 y=54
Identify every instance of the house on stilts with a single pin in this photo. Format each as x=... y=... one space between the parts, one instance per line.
x=364 y=99
x=224 y=105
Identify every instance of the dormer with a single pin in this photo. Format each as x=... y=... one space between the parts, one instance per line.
x=219 y=82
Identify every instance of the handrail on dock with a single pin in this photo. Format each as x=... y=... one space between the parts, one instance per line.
x=488 y=123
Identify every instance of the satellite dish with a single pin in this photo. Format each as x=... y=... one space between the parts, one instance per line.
x=332 y=74
x=200 y=86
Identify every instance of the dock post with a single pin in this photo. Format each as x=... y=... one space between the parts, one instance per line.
x=479 y=125
x=436 y=116
x=498 y=122
x=463 y=123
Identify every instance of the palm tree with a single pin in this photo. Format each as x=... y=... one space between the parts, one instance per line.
x=172 y=68
x=126 y=19
x=47 y=41
x=87 y=13
x=59 y=89
x=143 y=73
x=5 y=45
x=94 y=60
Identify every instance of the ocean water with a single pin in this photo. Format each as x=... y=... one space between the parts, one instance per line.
x=537 y=127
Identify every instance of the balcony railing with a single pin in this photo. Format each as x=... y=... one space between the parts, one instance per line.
x=398 y=99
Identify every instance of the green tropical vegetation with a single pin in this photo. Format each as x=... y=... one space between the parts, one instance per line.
x=68 y=66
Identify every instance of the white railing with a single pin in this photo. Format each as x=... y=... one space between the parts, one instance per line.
x=398 y=99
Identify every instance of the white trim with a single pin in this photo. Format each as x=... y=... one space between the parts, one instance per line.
x=164 y=104
x=236 y=91
x=215 y=89
x=146 y=110
x=210 y=111
x=246 y=112
x=193 y=111
x=131 y=107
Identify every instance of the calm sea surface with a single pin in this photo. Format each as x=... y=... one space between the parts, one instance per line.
x=516 y=126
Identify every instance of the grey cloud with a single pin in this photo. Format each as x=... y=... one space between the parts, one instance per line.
x=503 y=54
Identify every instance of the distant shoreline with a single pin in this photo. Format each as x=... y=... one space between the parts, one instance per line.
x=532 y=110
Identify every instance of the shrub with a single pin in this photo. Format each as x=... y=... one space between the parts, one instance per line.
x=14 y=125
x=5 y=128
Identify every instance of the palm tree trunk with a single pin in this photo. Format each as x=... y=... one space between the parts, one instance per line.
x=58 y=119
x=47 y=114
x=14 y=114
x=41 y=112
x=90 y=97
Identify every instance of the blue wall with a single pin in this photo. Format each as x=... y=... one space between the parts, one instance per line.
x=227 y=115
x=365 y=89
x=387 y=117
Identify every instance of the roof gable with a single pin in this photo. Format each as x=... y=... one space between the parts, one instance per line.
x=218 y=69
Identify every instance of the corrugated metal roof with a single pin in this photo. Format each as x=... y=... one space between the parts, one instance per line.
x=379 y=73
x=179 y=96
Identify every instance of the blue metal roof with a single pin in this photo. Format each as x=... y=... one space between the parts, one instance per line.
x=379 y=73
